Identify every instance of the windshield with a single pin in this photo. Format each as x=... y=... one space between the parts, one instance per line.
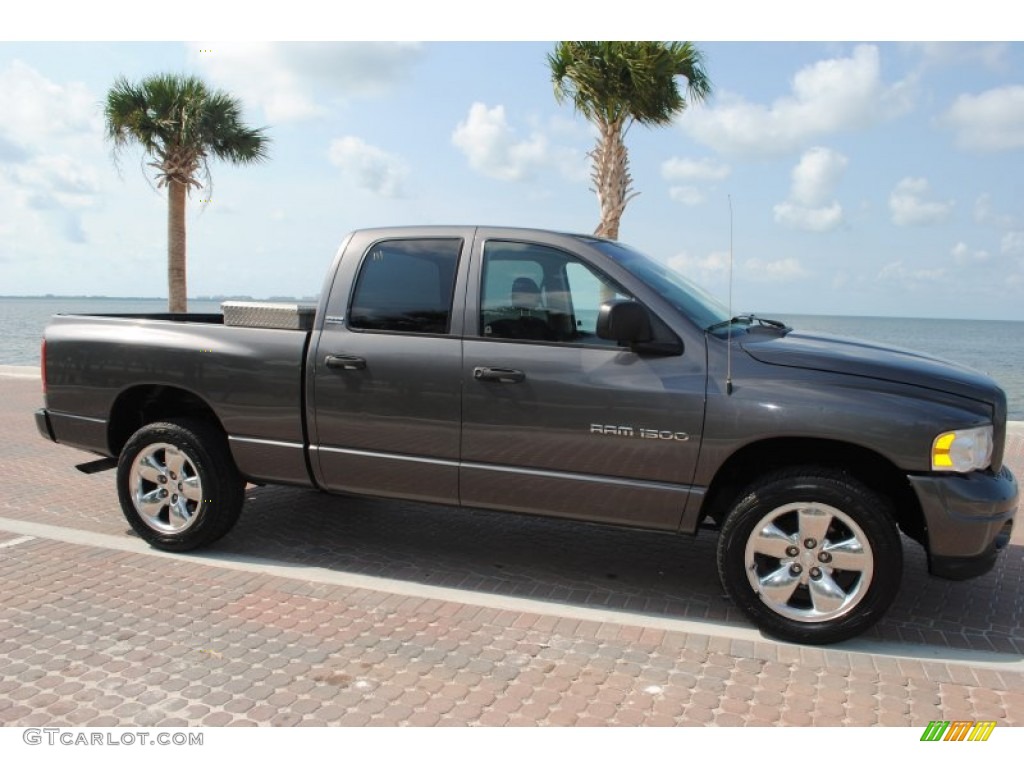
x=694 y=302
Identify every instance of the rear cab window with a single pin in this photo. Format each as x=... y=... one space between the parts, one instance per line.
x=406 y=286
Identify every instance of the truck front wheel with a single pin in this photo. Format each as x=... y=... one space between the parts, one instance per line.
x=178 y=487
x=810 y=555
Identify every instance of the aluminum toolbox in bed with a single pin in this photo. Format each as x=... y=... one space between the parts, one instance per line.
x=260 y=314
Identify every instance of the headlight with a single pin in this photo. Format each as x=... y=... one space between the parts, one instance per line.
x=962 y=450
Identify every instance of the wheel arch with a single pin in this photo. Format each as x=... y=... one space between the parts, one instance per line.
x=869 y=467
x=147 y=403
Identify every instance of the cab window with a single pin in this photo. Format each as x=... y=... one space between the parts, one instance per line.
x=406 y=286
x=535 y=293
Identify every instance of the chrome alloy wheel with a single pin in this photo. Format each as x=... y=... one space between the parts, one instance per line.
x=165 y=488
x=809 y=562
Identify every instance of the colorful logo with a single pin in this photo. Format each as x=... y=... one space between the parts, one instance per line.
x=958 y=730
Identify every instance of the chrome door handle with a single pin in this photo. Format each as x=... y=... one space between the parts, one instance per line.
x=502 y=375
x=345 y=362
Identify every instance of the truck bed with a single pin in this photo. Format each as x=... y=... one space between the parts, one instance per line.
x=251 y=378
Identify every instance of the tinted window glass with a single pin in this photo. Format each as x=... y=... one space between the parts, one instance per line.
x=406 y=286
x=535 y=293
x=692 y=301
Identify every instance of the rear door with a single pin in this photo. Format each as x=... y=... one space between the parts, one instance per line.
x=556 y=420
x=387 y=367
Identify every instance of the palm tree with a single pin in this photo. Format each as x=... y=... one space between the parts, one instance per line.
x=180 y=124
x=614 y=84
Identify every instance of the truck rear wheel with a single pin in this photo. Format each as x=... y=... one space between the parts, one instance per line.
x=810 y=555
x=178 y=486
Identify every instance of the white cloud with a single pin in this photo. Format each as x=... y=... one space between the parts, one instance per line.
x=686 y=195
x=55 y=186
x=37 y=110
x=896 y=271
x=822 y=219
x=60 y=175
x=814 y=180
x=827 y=97
x=712 y=270
x=685 y=169
x=701 y=269
x=49 y=133
x=990 y=121
x=370 y=167
x=985 y=213
x=817 y=175
x=1012 y=243
x=45 y=201
x=908 y=207
x=288 y=81
x=777 y=271
x=963 y=255
x=492 y=147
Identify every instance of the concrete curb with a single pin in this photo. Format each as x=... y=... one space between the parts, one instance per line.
x=20 y=371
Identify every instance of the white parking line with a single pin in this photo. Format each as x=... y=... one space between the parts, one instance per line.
x=320 y=575
x=16 y=542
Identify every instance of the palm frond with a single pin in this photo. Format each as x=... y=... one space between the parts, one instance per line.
x=611 y=80
x=179 y=122
x=614 y=84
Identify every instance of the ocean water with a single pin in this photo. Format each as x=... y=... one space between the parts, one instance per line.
x=993 y=346
x=22 y=320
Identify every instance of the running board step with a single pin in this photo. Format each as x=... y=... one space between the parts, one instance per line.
x=100 y=465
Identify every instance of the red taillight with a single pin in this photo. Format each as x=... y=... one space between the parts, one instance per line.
x=42 y=364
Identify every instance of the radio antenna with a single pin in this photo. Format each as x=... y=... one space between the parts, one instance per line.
x=728 y=328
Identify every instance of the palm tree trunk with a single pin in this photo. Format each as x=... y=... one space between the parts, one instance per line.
x=177 y=292
x=610 y=175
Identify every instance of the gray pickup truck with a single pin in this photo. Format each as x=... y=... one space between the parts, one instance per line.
x=553 y=374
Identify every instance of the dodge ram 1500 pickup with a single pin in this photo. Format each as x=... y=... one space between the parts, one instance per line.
x=553 y=374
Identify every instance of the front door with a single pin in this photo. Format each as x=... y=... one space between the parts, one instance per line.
x=558 y=421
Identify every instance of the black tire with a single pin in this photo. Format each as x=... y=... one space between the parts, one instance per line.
x=178 y=485
x=782 y=544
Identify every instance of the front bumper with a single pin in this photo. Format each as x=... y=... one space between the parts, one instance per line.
x=968 y=520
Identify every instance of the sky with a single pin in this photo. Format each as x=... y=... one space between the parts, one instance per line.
x=851 y=178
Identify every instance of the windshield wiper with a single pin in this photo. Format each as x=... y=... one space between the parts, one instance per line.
x=749 y=320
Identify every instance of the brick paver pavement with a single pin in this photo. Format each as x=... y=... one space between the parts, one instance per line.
x=486 y=619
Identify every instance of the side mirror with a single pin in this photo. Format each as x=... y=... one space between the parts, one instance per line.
x=624 y=321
